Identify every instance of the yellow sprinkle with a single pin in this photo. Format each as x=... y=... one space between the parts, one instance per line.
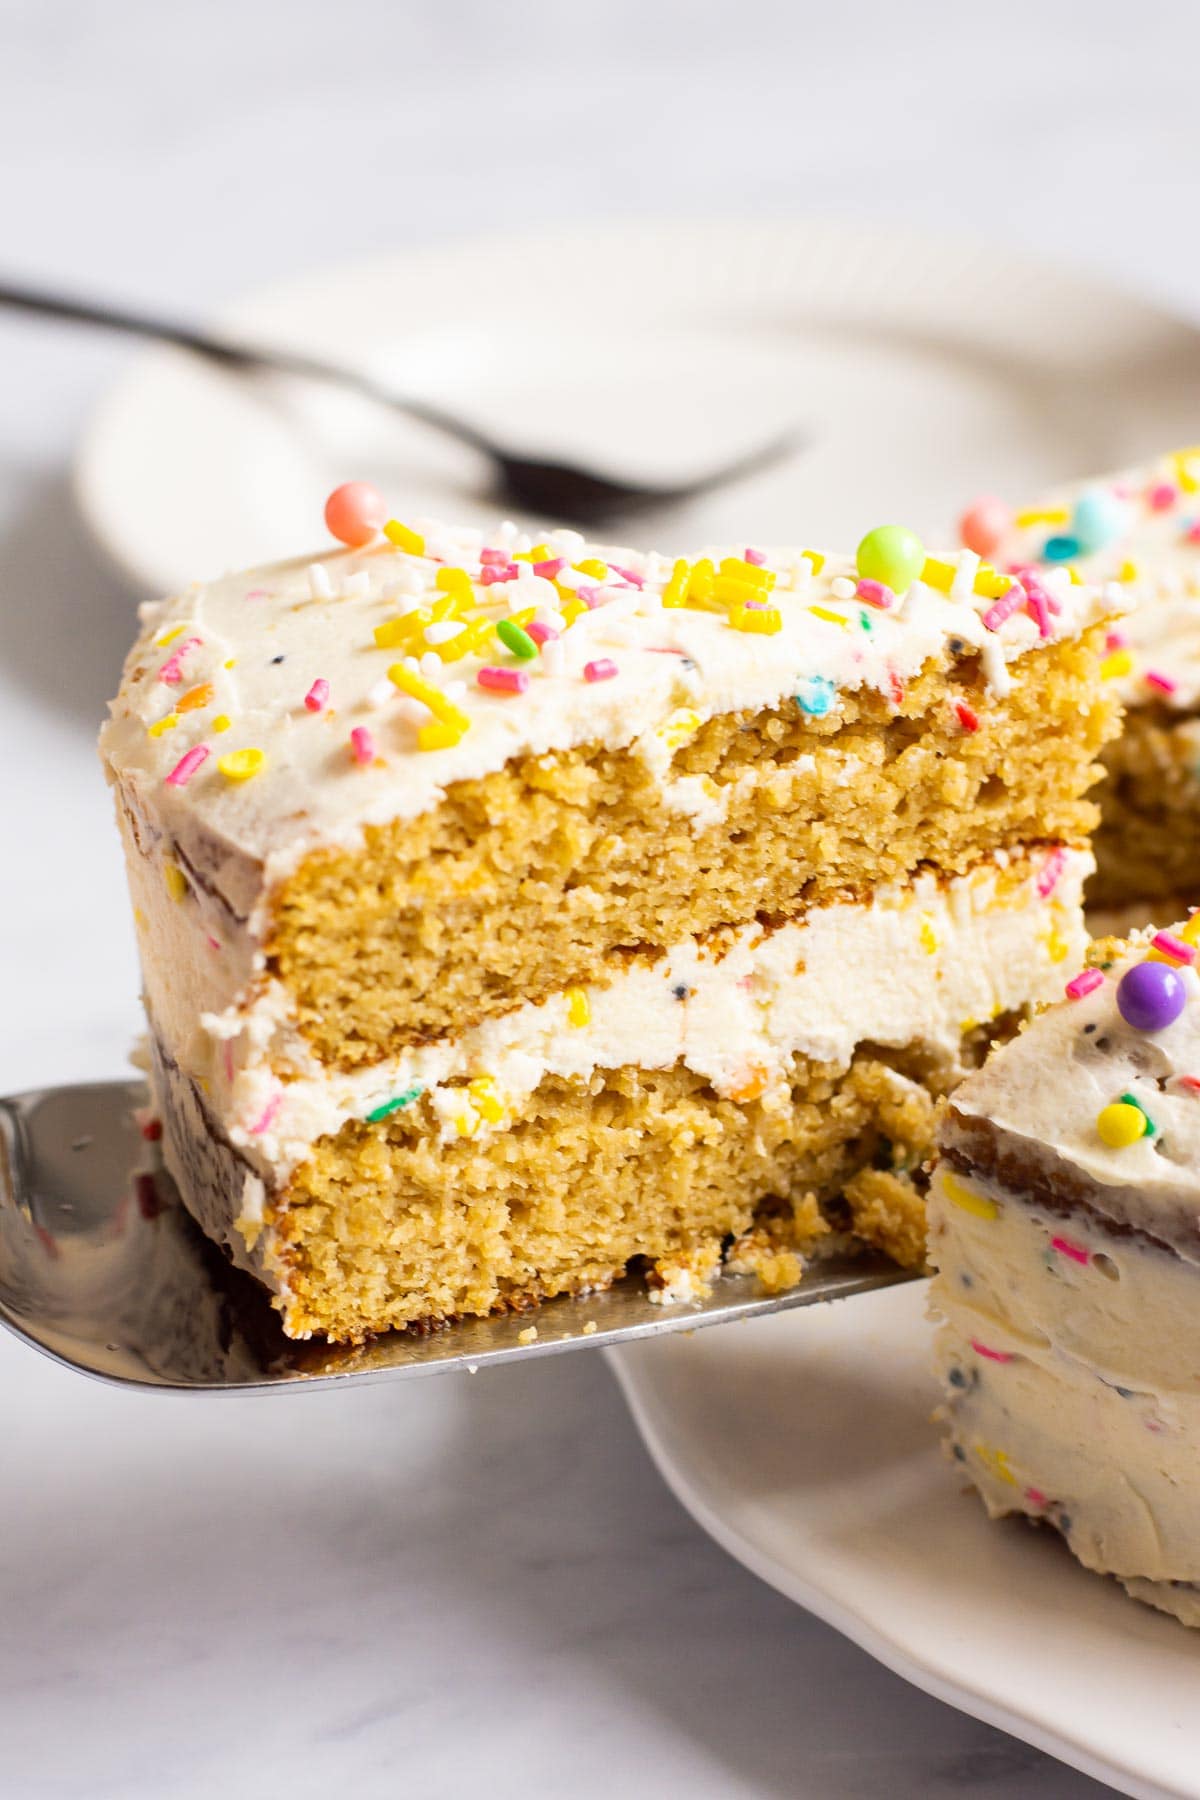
x=593 y=567
x=679 y=727
x=816 y=558
x=1190 y=933
x=1042 y=515
x=467 y=1123
x=430 y=696
x=402 y=632
x=571 y=610
x=1119 y=663
x=196 y=697
x=1076 y=577
x=1185 y=468
x=456 y=582
x=929 y=937
x=485 y=1099
x=938 y=574
x=831 y=618
x=231 y=664
x=1128 y=572
x=441 y=735
x=1120 y=1124
x=240 y=765
x=168 y=637
x=764 y=620
x=997 y=1461
x=579 y=1011
x=165 y=724
x=539 y=553
x=139 y=917
x=675 y=592
x=990 y=583
x=221 y=722
x=176 y=881
x=404 y=538
x=959 y=1194
x=1057 y=947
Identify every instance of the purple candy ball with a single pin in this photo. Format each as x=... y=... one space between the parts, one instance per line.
x=1151 y=996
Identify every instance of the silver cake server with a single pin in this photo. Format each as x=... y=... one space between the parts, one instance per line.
x=102 y=1269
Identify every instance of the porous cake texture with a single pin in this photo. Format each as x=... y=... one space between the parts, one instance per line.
x=1065 y=1229
x=1141 y=529
x=511 y=910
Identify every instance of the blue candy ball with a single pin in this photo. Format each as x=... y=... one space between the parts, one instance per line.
x=1061 y=548
x=1151 y=996
x=1098 y=520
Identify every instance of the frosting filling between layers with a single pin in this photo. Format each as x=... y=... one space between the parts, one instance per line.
x=922 y=964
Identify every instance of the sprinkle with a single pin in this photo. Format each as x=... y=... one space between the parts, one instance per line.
x=1115 y=640
x=1037 y=605
x=240 y=765
x=172 y=670
x=1177 y=949
x=1000 y=1356
x=1066 y=1247
x=152 y=1130
x=494 y=556
x=842 y=588
x=362 y=746
x=485 y=1099
x=603 y=669
x=1041 y=515
x=432 y=697
x=1161 y=497
x=442 y=631
x=579 y=1010
x=928 y=937
x=403 y=538
x=258 y=593
x=317 y=694
x=1113 y=667
x=936 y=573
x=395 y=1104
x=515 y=639
x=167 y=723
x=176 y=880
x=1061 y=547
x=1003 y=608
x=319 y=584
x=503 y=681
x=1132 y=1100
x=267 y=1117
x=750 y=616
x=593 y=567
x=1086 y=982
x=1164 y=683
x=196 y=697
x=830 y=618
x=187 y=765
x=815 y=696
x=959 y=1194
x=493 y=572
x=540 y=634
x=553 y=566
x=168 y=637
x=1121 y=1125
x=1050 y=873
x=455 y=582
x=222 y=722
x=875 y=593
x=441 y=735
x=629 y=575
x=967 y=717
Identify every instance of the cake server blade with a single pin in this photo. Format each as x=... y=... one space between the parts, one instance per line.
x=102 y=1269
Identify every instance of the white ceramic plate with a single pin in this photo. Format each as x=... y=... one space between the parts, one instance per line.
x=923 y=369
x=803 y=1444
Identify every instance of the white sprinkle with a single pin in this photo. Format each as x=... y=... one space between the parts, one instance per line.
x=430 y=663
x=319 y=584
x=409 y=580
x=567 y=543
x=443 y=630
x=842 y=588
x=383 y=691
x=995 y=668
x=965 y=571
x=553 y=657
x=357 y=586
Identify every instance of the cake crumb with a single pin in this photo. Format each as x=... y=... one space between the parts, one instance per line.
x=528 y=1336
x=590 y=1327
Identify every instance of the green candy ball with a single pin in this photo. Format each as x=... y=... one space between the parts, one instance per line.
x=891 y=554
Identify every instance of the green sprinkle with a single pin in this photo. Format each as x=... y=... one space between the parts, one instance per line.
x=516 y=640
x=1132 y=1100
x=395 y=1104
x=864 y=619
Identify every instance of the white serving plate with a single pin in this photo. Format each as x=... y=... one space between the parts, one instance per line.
x=923 y=368
x=803 y=1444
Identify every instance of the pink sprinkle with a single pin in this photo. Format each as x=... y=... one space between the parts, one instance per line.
x=172 y=670
x=1051 y=872
x=1000 y=1356
x=362 y=744
x=541 y=634
x=494 y=556
x=602 y=670
x=213 y=943
x=317 y=694
x=553 y=566
x=754 y=556
x=492 y=571
x=629 y=575
x=256 y=593
x=1086 y=982
x=876 y=593
x=1065 y=1247
x=1116 y=640
x=591 y=597
x=503 y=681
x=1035 y=1496
x=1192 y=534
x=1164 y=683
x=1173 y=947
x=1190 y=1082
x=268 y=1114
x=1161 y=497
x=966 y=715
x=187 y=765
x=756 y=606
x=1037 y=608
x=1004 y=607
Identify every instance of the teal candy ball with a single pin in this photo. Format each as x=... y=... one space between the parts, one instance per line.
x=1098 y=520
x=891 y=554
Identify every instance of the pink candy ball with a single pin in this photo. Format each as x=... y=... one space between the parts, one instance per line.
x=354 y=513
x=985 y=524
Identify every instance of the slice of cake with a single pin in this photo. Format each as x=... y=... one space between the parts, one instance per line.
x=509 y=911
x=1065 y=1227
x=1141 y=529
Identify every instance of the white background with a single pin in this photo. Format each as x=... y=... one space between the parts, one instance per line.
x=475 y=1584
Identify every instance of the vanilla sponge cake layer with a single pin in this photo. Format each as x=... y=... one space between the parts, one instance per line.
x=692 y=1097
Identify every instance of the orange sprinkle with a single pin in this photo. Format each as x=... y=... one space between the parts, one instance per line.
x=200 y=695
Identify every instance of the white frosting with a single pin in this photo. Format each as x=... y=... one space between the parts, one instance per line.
x=1155 y=558
x=932 y=960
x=259 y=641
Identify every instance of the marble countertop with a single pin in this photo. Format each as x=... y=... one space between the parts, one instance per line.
x=457 y=1583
